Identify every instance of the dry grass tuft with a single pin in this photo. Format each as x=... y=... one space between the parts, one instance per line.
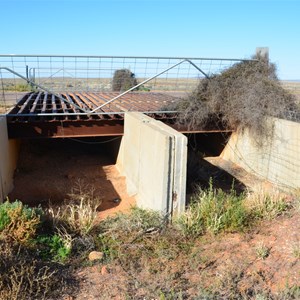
x=78 y=214
x=262 y=251
x=267 y=205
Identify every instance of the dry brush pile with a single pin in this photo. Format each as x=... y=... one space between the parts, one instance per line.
x=238 y=98
x=123 y=80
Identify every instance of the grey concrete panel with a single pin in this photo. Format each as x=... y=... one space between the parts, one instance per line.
x=153 y=157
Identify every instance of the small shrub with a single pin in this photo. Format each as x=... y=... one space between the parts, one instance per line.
x=138 y=220
x=81 y=246
x=213 y=210
x=262 y=251
x=123 y=80
x=19 y=222
x=127 y=228
x=4 y=217
x=296 y=250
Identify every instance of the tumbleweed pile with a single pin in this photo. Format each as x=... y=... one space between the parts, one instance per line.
x=238 y=98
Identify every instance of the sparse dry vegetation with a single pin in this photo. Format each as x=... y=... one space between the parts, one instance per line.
x=179 y=260
x=266 y=204
x=79 y=212
x=147 y=256
x=24 y=276
x=25 y=272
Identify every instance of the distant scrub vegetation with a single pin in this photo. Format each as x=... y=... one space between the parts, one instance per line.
x=19 y=87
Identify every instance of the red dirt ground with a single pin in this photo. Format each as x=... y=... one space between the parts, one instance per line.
x=228 y=261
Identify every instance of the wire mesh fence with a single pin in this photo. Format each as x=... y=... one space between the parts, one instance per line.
x=21 y=74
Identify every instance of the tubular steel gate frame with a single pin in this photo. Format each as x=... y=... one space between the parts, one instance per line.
x=151 y=67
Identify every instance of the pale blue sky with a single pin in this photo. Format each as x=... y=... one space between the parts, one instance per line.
x=222 y=29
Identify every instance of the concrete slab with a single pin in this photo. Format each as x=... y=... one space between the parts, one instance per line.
x=153 y=158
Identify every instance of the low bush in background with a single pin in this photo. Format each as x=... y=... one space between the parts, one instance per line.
x=123 y=80
x=19 y=87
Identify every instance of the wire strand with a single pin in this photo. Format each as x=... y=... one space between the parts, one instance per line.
x=94 y=143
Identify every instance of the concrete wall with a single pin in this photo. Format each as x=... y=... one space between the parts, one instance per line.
x=9 y=150
x=277 y=162
x=153 y=158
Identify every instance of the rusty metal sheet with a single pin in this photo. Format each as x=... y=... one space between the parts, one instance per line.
x=24 y=120
x=65 y=129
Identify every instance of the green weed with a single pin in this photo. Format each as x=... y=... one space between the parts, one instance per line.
x=53 y=248
x=213 y=211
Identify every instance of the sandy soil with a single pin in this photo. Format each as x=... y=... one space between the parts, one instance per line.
x=49 y=169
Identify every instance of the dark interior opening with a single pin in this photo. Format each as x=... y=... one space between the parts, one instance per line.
x=200 y=172
x=48 y=169
x=208 y=143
